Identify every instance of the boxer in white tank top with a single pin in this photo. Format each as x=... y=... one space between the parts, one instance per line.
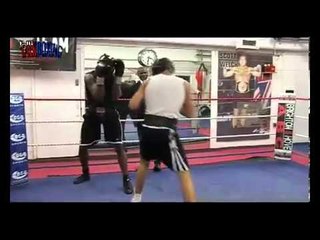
x=168 y=101
x=166 y=97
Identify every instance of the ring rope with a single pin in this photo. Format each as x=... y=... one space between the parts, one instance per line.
x=137 y=141
x=141 y=120
x=302 y=117
x=300 y=135
x=194 y=99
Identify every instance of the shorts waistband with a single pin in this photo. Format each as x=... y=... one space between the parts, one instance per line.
x=97 y=109
x=159 y=121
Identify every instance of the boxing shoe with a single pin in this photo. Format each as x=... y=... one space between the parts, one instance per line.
x=127 y=185
x=83 y=178
x=136 y=198
x=157 y=167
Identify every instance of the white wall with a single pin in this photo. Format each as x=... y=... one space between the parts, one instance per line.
x=60 y=84
x=21 y=81
x=291 y=44
x=186 y=61
x=50 y=84
x=293 y=73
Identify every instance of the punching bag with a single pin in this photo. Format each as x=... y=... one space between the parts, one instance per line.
x=201 y=76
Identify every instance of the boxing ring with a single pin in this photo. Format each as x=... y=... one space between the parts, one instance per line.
x=231 y=174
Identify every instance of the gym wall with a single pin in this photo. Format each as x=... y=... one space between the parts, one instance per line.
x=186 y=61
x=292 y=73
x=61 y=84
x=292 y=70
x=50 y=84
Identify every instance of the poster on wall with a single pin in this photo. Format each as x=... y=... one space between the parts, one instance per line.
x=18 y=140
x=240 y=81
x=55 y=54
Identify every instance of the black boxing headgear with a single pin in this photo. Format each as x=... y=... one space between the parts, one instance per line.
x=105 y=66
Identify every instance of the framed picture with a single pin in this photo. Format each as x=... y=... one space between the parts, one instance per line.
x=67 y=61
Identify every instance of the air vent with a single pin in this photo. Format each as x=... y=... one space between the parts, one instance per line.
x=247 y=44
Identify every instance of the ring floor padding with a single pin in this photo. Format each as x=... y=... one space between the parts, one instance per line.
x=259 y=180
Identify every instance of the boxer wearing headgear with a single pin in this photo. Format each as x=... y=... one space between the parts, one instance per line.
x=165 y=97
x=102 y=90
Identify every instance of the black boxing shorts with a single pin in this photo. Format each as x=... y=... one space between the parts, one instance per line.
x=91 y=127
x=237 y=102
x=159 y=140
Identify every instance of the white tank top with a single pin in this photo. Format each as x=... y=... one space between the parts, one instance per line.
x=164 y=95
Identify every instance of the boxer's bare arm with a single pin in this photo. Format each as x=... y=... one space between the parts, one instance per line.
x=187 y=108
x=228 y=73
x=97 y=91
x=256 y=72
x=137 y=98
x=116 y=90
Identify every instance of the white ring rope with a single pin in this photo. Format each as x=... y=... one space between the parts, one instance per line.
x=137 y=141
x=301 y=117
x=58 y=121
x=300 y=135
x=180 y=119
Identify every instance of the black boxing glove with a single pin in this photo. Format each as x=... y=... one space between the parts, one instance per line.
x=119 y=70
x=119 y=67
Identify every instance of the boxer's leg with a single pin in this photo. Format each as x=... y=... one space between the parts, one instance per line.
x=140 y=179
x=180 y=164
x=165 y=145
x=122 y=159
x=123 y=110
x=146 y=151
x=113 y=134
x=243 y=120
x=157 y=163
x=123 y=163
x=187 y=186
x=235 y=120
x=90 y=133
x=157 y=166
